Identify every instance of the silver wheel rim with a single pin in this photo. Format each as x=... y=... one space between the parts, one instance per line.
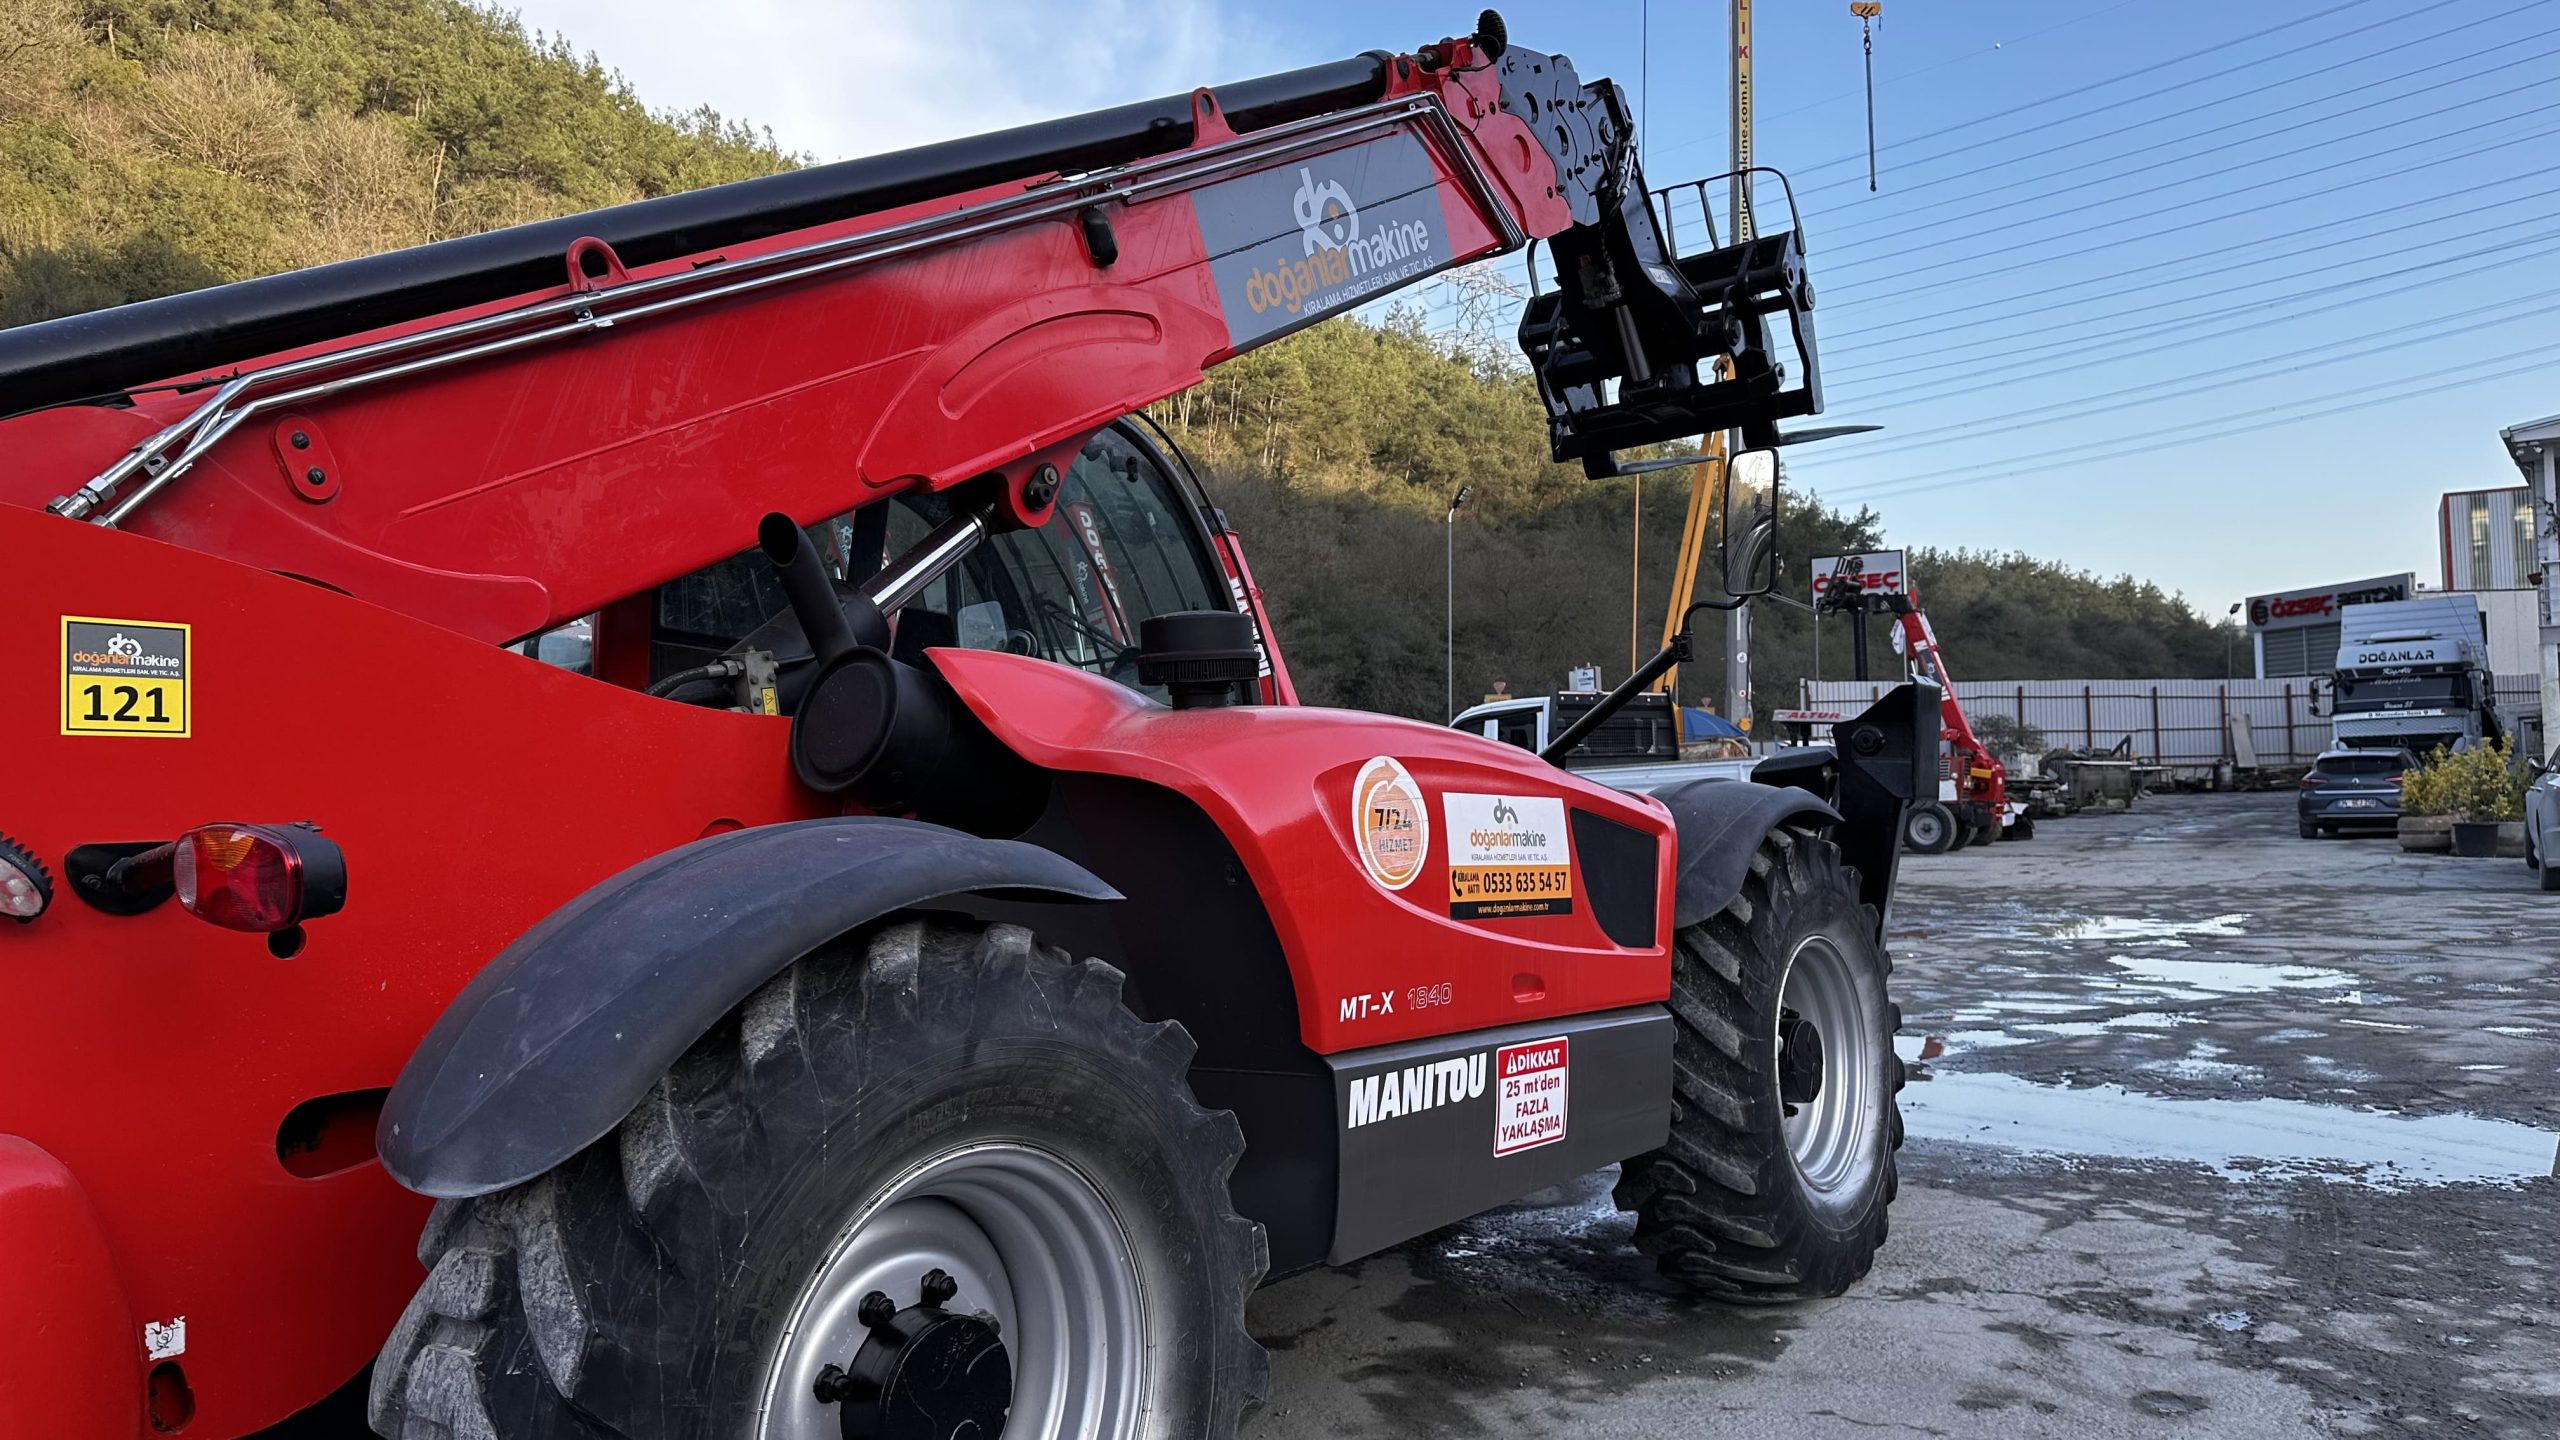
x=1927 y=829
x=1032 y=1243
x=1831 y=1136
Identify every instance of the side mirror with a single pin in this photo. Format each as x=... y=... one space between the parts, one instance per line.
x=1751 y=524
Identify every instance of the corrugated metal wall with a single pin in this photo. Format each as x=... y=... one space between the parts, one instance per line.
x=2179 y=724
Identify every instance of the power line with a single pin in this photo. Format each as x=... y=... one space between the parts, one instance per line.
x=2491 y=123
x=1969 y=55
x=2437 y=271
x=2356 y=399
x=2170 y=90
x=1960 y=207
x=2362 y=401
x=2005 y=165
x=1906 y=276
x=2082 y=407
x=2078 y=324
x=1961 y=125
x=2219 y=257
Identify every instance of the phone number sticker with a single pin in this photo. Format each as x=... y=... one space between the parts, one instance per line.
x=124 y=677
x=1508 y=856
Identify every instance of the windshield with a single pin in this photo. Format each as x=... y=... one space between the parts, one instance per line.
x=2402 y=692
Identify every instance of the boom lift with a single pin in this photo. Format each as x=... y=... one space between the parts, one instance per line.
x=689 y=761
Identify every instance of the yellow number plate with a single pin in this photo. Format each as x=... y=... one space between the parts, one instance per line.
x=124 y=677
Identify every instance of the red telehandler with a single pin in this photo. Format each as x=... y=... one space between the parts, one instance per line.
x=1972 y=805
x=686 y=770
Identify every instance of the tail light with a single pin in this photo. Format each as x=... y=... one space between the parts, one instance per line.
x=258 y=877
x=2313 y=782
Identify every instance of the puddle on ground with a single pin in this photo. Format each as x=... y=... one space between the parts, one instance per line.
x=2240 y=1139
x=2145 y=1023
x=2126 y=927
x=2227 y=977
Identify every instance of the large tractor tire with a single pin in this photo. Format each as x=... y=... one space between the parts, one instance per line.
x=1928 y=828
x=1780 y=1165
x=935 y=1177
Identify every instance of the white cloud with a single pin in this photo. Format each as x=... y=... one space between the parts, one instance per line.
x=840 y=78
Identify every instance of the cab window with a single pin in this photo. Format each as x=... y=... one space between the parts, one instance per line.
x=1122 y=546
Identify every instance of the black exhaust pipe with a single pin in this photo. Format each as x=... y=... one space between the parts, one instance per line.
x=808 y=586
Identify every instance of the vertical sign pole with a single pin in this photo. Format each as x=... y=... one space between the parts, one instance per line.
x=1737 y=622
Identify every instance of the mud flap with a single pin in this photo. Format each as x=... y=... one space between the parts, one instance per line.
x=1888 y=755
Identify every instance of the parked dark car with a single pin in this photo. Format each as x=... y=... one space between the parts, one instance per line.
x=2353 y=789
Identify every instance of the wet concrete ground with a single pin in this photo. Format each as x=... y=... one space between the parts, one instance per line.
x=2220 y=1133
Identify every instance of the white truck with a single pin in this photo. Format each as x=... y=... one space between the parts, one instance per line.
x=1636 y=749
x=2414 y=675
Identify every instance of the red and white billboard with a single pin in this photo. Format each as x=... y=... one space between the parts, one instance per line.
x=2320 y=606
x=1878 y=572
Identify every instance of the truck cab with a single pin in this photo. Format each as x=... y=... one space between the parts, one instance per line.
x=1636 y=749
x=2412 y=675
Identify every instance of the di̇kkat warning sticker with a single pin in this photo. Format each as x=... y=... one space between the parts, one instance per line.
x=1508 y=856
x=124 y=677
x=1389 y=823
x=1529 y=1094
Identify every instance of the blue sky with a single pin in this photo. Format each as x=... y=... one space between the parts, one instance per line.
x=2218 y=295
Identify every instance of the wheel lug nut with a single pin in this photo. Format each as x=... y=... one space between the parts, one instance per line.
x=877 y=1309
x=833 y=1385
x=939 y=1287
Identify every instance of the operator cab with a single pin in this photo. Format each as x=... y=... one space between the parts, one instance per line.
x=1129 y=542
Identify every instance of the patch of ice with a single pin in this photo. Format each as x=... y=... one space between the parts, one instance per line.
x=2124 y=927
x=2226 y=977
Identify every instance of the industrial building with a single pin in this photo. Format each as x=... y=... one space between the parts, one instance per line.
x=2535 y=448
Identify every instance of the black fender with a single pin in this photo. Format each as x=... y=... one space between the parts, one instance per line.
x=1881 y=759
x=555 y=1040
x=1720 y=824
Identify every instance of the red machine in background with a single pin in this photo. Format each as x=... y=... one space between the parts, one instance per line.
x=1974 y=805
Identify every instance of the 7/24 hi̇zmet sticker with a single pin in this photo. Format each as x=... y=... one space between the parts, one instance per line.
x=1388 y=823
x=124 y=677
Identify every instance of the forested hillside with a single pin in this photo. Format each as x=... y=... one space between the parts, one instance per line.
x=153 y=146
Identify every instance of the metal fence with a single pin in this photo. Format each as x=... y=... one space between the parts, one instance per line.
x=2177 y=724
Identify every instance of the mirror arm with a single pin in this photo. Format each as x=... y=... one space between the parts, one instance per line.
x=1616 y=700
x=1678 y=652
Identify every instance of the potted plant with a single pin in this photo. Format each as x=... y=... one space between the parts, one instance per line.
x=2483 y=790
x=2426 y=808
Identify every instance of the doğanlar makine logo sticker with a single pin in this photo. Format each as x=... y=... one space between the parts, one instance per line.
x=1327 y=220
